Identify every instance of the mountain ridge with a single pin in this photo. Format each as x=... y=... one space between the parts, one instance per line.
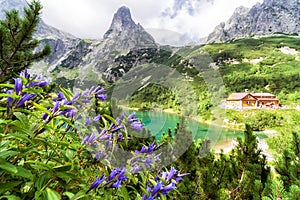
x=268 y=17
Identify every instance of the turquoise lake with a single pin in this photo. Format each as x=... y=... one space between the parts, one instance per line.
x=159 y=122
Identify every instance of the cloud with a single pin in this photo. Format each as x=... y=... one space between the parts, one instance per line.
x=91 y=18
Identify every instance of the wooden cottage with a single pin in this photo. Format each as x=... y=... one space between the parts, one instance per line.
x=251 y=100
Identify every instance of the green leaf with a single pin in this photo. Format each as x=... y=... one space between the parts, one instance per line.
x=41 y=108
x=123 y=193
x=23 y=118
x=10 y=197
x=68 y=94
x=4 y=154
x=25 y=173
x=138 y=197
x=144 y=191
x=52 y=195
x=61 y=168
x=68 y=194
x=14 y=96
x=7 y=166
x=7 y=85
x=79 y=195
x=110 y=118
x=7 y=186
x=42 y=181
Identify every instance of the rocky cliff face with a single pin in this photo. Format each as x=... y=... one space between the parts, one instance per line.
x=271 y=16
x=124 y=34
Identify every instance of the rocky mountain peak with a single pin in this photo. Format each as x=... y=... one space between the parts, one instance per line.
x=125 y=34
x=271 y=16
x=122 y=21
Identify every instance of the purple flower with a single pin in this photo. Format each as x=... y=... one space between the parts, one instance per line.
x=40 y=84
x=117 y=184
x=98 y=90
x=97 y=118
x=97 y=182
x=136 y=126
x=25 y=74
x=167 y=188
x=85 y=100
x=60 y=96
x=101 y=96
x=70 y=112
x=44 y=116
x=171 y=174
x=85 y=139
x=55 y=107
x=130 y=117
x=18 y=84
x=10 y=100
x=136 y=169
x=91 y=138
x=157 y=187
x=98 y=156
x=113 y=174
x=25 y=98
x=88 y=121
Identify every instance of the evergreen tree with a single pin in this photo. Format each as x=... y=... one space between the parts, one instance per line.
x=17 y=45
x=288 y=166
x=249 y=172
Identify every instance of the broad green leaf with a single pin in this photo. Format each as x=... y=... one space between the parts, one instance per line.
x=42 y=181
x=4 y=154
x=10 y=197
x=7 y=166
x=52 y=195
x=68 y=194
x=4 y=144
x=24 y=173
x=7 y=186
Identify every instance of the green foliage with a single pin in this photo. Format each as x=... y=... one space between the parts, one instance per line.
x=288 y=164
x=16 y=41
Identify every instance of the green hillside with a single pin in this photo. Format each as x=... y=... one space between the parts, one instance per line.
x=267 y=64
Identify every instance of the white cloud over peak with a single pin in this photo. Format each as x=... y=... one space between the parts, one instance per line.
x=91 y=18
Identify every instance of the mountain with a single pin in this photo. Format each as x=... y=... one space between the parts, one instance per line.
x=122 y=37
x=269 y=17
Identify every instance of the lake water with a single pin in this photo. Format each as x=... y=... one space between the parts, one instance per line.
x=159 y=122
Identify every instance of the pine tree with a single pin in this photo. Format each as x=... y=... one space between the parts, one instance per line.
x=288 y=166
x=249 y=171
x=17 y=45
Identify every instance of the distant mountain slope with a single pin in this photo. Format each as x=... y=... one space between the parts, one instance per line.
x=271 y=16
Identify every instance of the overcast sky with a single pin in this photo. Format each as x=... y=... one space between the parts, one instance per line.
x=91 y=18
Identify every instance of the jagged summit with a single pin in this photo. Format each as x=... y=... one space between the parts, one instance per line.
x=265 y=18
x=121 y=21
x=125 y=34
